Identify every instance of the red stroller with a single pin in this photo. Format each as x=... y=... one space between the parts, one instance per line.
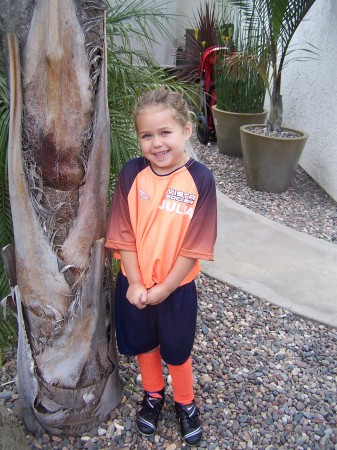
x=205 y=123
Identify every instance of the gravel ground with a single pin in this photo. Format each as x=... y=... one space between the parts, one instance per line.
x=265 y=378
x=304 y=207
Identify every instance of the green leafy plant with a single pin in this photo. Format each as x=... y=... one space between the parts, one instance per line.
x=240 y=74
x=276 y=22
x=240 y=88
x=8 y=333
x=7 y=320
x=6 y=228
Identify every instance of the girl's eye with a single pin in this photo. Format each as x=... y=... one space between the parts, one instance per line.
x=145 y=136
x=165 y=132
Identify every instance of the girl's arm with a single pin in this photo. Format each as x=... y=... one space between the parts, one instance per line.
x=179 y=271
x=137 y=292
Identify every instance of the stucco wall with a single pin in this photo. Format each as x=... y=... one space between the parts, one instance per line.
x=183 y=14
x=309 y=91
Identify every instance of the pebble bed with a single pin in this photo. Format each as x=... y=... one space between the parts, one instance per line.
x=265 y=378
x=305 y=206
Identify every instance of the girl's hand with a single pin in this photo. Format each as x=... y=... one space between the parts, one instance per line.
x=137 y=292
x=137 y=295
x=157 y=294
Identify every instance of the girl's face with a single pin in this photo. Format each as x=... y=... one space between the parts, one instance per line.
x=162 y=138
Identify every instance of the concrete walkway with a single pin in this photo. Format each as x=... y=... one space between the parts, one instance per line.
x=274 y=262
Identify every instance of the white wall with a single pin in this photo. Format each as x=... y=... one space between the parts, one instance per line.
x=184 y=13
x=164 y=50
x=309 y=91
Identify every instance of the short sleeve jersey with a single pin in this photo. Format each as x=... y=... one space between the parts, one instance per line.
x=162 y=216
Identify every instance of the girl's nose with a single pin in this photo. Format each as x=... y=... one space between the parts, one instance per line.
x=157 y=142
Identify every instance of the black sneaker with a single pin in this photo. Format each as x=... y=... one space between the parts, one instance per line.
x=149 y=413
x=189 y=421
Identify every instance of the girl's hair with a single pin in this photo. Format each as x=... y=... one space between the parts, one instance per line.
x=167 y=99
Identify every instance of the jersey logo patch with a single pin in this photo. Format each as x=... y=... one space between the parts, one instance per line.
x=180 y=196
x=143 y=195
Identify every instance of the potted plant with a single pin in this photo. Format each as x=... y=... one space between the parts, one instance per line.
x=271 y=153
x=240 y=86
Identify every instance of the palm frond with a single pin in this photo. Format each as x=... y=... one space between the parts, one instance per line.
x=7 y=327
x=137 y=20
x=7 y=323
x=132 y=71
x=277 y=20
x=8 y=333
x=6 y=227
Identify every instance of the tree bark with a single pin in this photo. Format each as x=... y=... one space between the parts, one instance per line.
x=58 y=164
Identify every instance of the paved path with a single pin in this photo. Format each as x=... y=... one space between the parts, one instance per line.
x=274 y=262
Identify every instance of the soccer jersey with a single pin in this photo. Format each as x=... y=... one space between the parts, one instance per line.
x=163 y=216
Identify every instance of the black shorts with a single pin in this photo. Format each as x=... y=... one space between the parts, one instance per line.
x=170 y=324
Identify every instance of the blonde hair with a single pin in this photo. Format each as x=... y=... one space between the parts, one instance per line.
x=167 y=99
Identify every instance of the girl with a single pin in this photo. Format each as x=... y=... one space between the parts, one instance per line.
x=162 y=221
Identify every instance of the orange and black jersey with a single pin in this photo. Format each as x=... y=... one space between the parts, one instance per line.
x=163 y=216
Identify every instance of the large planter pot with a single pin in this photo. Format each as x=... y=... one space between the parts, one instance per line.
x=227 y=128
x=270 y=161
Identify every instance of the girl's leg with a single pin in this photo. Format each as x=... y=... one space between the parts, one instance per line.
x=177 y=319
x=177 y=326
x=187 y=412
x=182 y=382
x=151 y=371
x=154 y=397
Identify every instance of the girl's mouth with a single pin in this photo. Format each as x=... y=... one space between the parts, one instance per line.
x=161 y=154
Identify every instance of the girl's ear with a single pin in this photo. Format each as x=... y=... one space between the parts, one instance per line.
x=188 y=130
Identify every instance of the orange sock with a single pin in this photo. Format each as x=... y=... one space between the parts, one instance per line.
x=151 y=371
x=182 y=382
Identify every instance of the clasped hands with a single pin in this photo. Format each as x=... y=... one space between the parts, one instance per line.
x=138 y=295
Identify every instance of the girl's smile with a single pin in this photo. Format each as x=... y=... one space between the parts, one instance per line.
x=162 y=138
x=160 y=154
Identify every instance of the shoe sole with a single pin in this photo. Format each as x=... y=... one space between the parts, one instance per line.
x=146 y=434
x=191 y=445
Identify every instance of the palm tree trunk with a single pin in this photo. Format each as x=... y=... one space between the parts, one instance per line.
x=58 y=182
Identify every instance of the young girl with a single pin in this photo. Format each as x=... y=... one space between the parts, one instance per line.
x=162 y=221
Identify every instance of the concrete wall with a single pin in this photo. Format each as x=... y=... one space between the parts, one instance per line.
x=183 y=17
x=309 y=91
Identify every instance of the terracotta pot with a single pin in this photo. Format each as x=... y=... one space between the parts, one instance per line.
x=227 y=129
x=270 y=162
